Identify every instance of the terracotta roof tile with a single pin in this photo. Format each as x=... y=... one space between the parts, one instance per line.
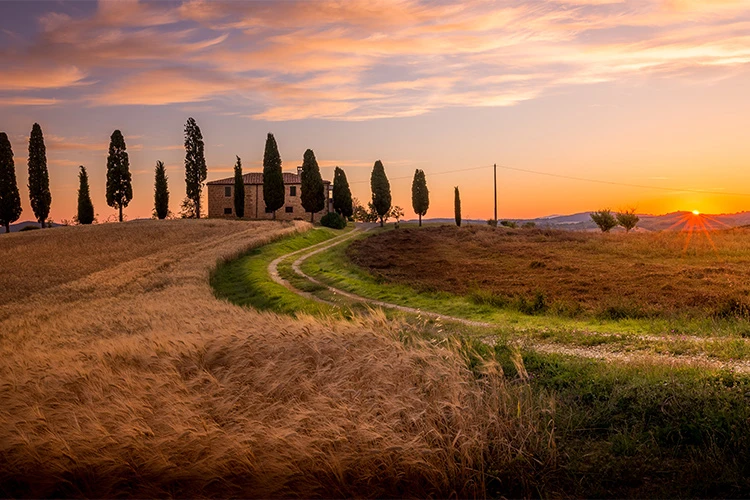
x=257 y=178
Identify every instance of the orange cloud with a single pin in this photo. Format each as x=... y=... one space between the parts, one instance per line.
x=360 y=60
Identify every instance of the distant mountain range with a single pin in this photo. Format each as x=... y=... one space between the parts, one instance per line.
x=582 y=221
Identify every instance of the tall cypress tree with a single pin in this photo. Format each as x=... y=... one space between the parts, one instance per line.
x=273 y=178
x=381 y=191
x=420 y=196
x=457 y=206
x=85 y=207
x=342 y=195
x=239 y=190
x=195 y=164
x=313 y=194
x=10 y=200
x=41 y=198
x=119 y=187
x=161 y=191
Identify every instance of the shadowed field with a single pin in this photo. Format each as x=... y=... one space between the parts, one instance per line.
x=122 y=375
x=575 y=273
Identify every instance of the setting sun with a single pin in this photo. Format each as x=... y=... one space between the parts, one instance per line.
x=696 y=212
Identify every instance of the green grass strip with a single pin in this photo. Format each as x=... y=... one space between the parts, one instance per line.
x=245 y=281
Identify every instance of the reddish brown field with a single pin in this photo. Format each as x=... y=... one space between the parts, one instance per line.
x=643 y=274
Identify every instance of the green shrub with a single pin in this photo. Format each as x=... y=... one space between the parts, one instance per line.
x=532 y=307
x=509 y=223
x=333 y=220
x=492 y=222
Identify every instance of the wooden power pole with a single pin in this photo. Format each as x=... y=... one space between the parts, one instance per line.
x=495 y=171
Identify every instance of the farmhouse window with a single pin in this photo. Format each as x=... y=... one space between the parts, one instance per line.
x=228 y=191
x=290 y=210
x=292 y=192
x=227 y=211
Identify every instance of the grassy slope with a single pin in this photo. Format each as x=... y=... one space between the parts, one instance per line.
x=244 y=281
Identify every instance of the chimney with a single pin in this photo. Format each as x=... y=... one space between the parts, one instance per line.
x=299 y=170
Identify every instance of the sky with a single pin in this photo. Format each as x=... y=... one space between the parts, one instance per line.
x=582 y=104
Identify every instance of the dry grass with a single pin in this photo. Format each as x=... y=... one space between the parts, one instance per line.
x=643 y=274
x=122 y=375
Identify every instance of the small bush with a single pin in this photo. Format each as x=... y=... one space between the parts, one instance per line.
x=529 y=225
x=509 y=223
x=333 y=220
x=732 y=308
x=492 y=222
x=532 y=307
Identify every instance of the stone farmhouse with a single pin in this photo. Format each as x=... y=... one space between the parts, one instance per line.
x=221 y=198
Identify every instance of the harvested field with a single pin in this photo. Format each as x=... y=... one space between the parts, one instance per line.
x=614 y=276
x=124 y=376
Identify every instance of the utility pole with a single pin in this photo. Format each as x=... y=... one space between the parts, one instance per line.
x=495 y=171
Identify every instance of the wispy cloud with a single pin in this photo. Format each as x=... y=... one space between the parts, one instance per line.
x=361 y=60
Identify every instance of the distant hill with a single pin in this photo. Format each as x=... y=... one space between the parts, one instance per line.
x=582 y=221
x=14 y=228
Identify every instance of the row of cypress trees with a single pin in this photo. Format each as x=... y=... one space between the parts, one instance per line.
x=39 y=193
x=119 y=189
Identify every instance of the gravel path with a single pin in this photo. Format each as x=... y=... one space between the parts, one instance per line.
x=601 y=352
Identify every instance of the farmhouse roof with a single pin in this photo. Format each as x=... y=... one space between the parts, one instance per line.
x=257 y=178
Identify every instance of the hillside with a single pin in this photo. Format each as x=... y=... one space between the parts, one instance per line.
x=123 y=376
x=582 y=221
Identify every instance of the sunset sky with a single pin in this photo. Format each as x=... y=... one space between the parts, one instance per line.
x=649 y=97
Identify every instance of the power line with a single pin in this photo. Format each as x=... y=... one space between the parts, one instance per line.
x=580 y=179
x=435 y=173
x=613 y=183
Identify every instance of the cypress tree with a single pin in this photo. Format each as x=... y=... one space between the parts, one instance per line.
x=420 y=196
x=85 y=207
x=39 y=193
x=457 y=206
x=381 y=191
x=195 y=164
x=119 y=187
x=10 y=200
x=273 y=179
x=239 y=190
x=313 y=194
x=342 y=195
x=161 y=191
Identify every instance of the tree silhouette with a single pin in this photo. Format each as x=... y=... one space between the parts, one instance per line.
x=119 y=187
x=39 y=194
x=195 y=164
x=273 y=178
x=85 y=207
x=381 y=191
x=342 y=195
x=627 y=219
x=313 y=194
x=10 y=199
x=420 y=196
x=161 y=191
x=604 y=219
x=239 y=190
x=457 y=206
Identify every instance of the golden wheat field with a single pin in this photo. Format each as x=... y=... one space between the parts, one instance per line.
x=122 y=375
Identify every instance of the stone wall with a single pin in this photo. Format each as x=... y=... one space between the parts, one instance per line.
x=255 y=207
